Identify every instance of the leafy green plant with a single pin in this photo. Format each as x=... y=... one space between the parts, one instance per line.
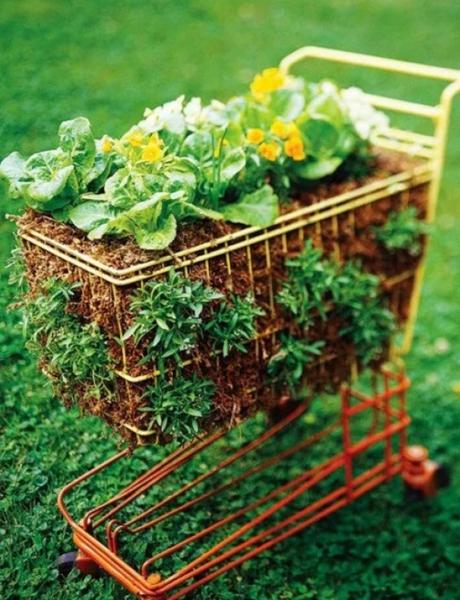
x=231 y=325
x=315 y=283
x=185 y=161
x=402 y=231
x=75 y=352
x=168 y=315
x=357 y=299
x=287 y=366
x=310 y=278
x=178 y=406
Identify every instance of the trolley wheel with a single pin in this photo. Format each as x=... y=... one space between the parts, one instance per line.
x=66 y=562
x=79 y=561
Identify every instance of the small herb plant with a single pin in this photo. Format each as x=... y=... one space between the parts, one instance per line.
x=169 y=312
x=233 y=324
x=185 y=161
x=357 y=299
x=310 y=277
x=287 y=366
x=402 y=231
x=75 y=352
x=316 y=282
x=178 y=406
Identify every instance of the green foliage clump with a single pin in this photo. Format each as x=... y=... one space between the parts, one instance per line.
x=231 y=325
x=316 y=283
x=178 y=406
x=74 y=352
x=310 y=277
x=169 y=311
x=402 y=231
x=286 y=367
x=357 y=299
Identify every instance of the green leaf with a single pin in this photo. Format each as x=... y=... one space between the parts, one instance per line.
x=321 y=135
x=318 y=168
x=232 y=163
x=260 y=208
x=286 y=104
x=89 y=215
x=11 y=170
x=51 y=180
x=77 y=139
x=126 y=188
x=159 y=238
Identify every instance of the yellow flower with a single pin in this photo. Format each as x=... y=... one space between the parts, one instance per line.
x=280 y=129
x=152 y=152
x=269 y=150
x=294 y=148
x=292 y=130
x=267 y=81
x=255 y=136
x=107 y=144
x=135 y=138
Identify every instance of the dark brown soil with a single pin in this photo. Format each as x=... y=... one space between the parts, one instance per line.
x=259 y=268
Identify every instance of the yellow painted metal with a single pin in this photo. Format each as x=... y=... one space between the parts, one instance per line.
x=430 y=149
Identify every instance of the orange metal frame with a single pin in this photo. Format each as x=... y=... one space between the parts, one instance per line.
x=97 y=534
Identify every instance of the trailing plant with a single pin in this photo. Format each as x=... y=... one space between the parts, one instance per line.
x=185 y=161
x=315 y=283
x=310 y=277
x=287 y=366
x=232 y=324
x=369 y=323
x=74 y=352
x=178 y=406
x=168 y=314
x=402 y=231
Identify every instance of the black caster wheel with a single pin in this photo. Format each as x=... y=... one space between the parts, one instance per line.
x=66 y=562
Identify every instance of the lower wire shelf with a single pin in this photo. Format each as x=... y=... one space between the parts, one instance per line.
x=367 y=430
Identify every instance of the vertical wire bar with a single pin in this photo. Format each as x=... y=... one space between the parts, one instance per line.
x=346 y=440
x=270 y=285
x=335 y=242
x=252 y=283
x=388 y=437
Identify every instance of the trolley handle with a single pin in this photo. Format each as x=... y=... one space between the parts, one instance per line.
x=364 y=60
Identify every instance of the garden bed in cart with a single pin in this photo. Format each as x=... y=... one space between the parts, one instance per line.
x=217 y=260
x=234 y=260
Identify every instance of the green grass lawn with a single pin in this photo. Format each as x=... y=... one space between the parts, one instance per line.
x=108 y=60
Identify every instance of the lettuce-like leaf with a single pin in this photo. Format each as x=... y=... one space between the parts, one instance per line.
x=90 y=215
x=12 y=170
x=76 y=138
x=316 y=169
x=260 y=208
x=232 y=163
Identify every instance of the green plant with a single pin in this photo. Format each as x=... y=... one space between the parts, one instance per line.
x=402 y=231
x=368 y=323
x=168 y=315
x=178 y=406
x=74 y=352
x=186 y=161
x=287 y=366
x=230 y=325
x=310 y=278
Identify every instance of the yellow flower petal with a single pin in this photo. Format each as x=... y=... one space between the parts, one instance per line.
x=107 y=144
x=280 y=129
x=255 y=135
x=152 y=152
x=269 y=150
x=294 y=148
